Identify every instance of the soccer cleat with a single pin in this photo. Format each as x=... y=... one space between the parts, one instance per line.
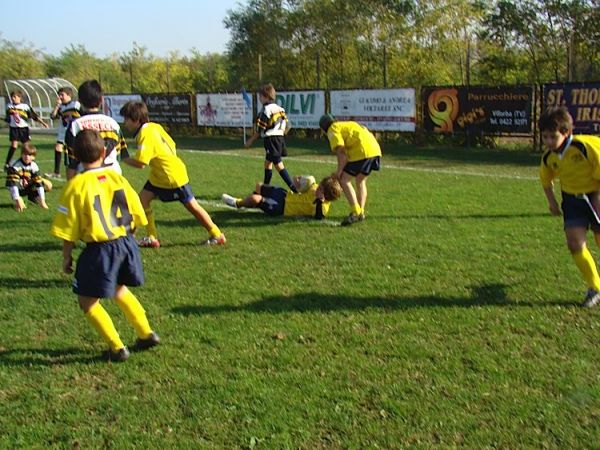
x=144 y=344
x=352 y=218
x=149 y=242
x=229 y=200
x=592 y=298
x=361 y=217
x=215 y=240
x=118 y=356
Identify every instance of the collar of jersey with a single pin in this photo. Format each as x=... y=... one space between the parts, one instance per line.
x=565 y=146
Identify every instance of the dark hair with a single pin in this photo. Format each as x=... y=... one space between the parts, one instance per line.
x=325 y=122
x=28 y=149
x=88 y=146
x=268 y=91
x=90 y=94
x=67 y=90
x=556 y=119
x=331 y=188
x=136 y=111
x=17 y=92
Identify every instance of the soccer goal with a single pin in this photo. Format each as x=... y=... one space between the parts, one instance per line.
x=40 y=94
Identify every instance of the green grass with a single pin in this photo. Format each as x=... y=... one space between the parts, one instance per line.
x=448 y=318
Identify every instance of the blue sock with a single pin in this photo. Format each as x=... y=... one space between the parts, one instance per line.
x=288 y=180
x=268 y=175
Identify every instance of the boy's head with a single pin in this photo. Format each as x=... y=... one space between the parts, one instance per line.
x=330 y=188
x=16 y=96
x=325 y=122
x=268 y=92
x=135 y=114
x=28 y=152
x=89 y=146
x=65 y=94
x=90 y=94
x=556 y=124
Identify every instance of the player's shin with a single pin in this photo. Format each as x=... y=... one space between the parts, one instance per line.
x=151 y=227
x=587 y=266
x=103 y=324
x=134 y=312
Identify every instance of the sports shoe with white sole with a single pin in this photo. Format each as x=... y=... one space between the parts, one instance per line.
x=592 y=298
x=118 y=356
x=215 y=240
x=229 y=200
x=149 y=242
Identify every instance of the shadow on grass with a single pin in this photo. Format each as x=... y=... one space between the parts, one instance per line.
x=228 y=219
x=18 y=283
x=49 y=246
x=45 y=357
x=466 y=216
x=482 y=296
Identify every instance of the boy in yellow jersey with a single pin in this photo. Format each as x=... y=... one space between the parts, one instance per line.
x=168 y=178
x=358 y=154
x=575 y=160
x=100 y=208
x=311 y=200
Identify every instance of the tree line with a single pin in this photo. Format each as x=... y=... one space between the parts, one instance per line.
x=300 y=44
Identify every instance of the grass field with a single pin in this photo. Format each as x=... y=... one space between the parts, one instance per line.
x=449 y=318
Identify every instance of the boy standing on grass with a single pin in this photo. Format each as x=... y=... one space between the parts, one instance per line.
x=90 y=96
x=575 y=160
x=24 y=179
x=168 y=178
x=100 y=207
x=66 y=110
x=312 y=200
x=17 y=114
x=358 y=154
x=272 y=125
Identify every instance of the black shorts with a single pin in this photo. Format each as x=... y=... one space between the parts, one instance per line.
x=275 y=148
x=273 y=202
x=19 y=134
x=31 y=192
x=103 y=266
x=577 y=212
x=364 y=166
x=182 y=194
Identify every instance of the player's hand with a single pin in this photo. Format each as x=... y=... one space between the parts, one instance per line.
x=45 y=125
x=67 y=265
x=20 y=205
x=554 y=210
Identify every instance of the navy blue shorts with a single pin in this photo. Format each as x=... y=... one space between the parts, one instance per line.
x=273 y=202
x=183 y=194
x=364 y=166
x=577 y=212
x=275 y=148
x=18 y=134
x=104 y=265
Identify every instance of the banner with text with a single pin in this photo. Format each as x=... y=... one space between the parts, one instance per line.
x=501 y=109
x=377 y=109
x=112 y=104
x=581 y=99
x=303 y=108
x=169 y=108
x=223 y=110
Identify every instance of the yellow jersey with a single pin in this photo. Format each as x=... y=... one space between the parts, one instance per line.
x=358 y=141
x=157 y=149
x=577 y=166
x=97 y=205
x=306 y=204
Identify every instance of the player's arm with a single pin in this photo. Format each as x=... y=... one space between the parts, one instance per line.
x=38 y=119
x=54 y=113
x=252 y=139
x=342 y=159
x=67 y=252
x=546 y=177
x=133 y=162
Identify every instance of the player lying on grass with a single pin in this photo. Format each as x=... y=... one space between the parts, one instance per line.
x=312 y=200
x=23 y=179
x=575 y=160
x=100 y=208
x=168 y=178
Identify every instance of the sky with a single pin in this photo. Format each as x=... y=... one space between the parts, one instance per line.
x=114 y=25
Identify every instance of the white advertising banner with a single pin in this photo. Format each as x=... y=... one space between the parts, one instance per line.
x=377 y=109
x=112 y=104
x=303 y=108
x=223 y=110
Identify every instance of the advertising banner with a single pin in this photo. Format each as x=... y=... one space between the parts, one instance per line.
x=169 y=108
x=223 y=110
x=112 y=104
x=377 y=109
x=581 y=99
x=303 y=108
x=500 y=109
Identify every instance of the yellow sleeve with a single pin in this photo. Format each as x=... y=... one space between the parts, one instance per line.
x=144 y=147
x=66 y=222
x=546 y=174
x=594 y=159
x=334 y=135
